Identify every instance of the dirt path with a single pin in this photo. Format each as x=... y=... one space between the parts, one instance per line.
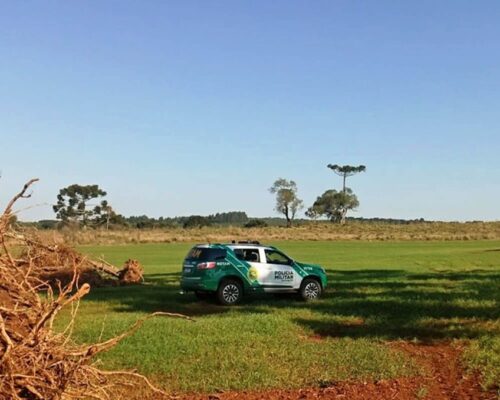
x=445 y=379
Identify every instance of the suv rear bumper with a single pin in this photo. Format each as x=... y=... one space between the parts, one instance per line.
x=197 y=283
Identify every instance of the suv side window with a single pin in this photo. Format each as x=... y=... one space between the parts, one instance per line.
x=252 y=255
x=275 y=257
x=239 y=254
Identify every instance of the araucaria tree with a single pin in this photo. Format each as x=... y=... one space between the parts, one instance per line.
x=73 y=204
x=346 y=171
x=287 y=202
x=333 y=205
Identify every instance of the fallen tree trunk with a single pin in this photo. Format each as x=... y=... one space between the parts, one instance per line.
x=56 y=261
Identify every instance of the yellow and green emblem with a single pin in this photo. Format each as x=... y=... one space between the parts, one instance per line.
x=252 y=273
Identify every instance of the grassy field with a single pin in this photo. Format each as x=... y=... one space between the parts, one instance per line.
x=379 y=291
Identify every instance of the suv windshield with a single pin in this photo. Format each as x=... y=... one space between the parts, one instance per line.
x=205 y=254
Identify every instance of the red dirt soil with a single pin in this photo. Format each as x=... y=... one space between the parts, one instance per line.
x=444 y=379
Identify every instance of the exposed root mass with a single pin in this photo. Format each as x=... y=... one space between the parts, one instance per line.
x=37 y=361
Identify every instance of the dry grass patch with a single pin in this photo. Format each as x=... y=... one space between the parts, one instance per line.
x=307 y=231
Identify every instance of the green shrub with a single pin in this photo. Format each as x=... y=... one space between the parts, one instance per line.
x=256 y=223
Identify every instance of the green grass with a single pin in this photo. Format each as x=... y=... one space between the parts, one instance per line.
x=378 y=291
x=484 y=354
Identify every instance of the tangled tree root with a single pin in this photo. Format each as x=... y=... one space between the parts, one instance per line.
x=54 y=264
x=132 y=272
x=37 y=362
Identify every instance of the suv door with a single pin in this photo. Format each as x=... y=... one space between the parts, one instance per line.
x=256 y=258
x=282 y=274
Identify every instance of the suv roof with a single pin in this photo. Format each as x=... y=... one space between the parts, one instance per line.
x=252 y=243
x=248 y=245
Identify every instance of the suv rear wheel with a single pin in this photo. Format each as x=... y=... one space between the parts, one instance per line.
x=230 y=292
x=310 y=289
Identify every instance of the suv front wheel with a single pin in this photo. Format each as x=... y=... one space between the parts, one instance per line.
x=230 y=292
x=310 y=289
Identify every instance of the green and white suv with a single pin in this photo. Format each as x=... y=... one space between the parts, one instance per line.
x=231 y=270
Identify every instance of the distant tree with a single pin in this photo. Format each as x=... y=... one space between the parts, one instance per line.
x=46 y=224
x=13 y=219
x=139 y=221
x=333 y=205
x=105 y=215
x=107 y=212
x=230 y=218
x=312 y=212
x=287 y=202
x=346 y=171
x=73 y=204
x=145 y=222
x=256 y=223
x=196 y=221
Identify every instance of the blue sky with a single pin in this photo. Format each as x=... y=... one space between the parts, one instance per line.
x=195 y=107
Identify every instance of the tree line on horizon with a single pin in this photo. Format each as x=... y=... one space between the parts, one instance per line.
x=85 y=206
x=145 y=222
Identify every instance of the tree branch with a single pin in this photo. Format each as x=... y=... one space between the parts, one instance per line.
x=21 y=194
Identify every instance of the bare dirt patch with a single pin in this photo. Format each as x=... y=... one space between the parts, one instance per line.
x=403 y=389
x=445 y=376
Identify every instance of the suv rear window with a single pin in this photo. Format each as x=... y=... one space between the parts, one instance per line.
x=205 y=254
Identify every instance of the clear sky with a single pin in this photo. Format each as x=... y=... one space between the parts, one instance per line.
x=195 y=107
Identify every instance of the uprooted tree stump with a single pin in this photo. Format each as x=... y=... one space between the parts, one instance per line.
x=132 y=272
x=36 y=361
x=54 y=264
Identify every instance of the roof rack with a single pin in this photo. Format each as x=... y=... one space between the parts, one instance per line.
x=245 y=242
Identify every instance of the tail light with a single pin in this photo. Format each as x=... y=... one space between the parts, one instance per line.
x=206 y=265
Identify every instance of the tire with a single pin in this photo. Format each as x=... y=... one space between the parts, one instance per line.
x=230 y=292
x=310 y=289
x=200 y=295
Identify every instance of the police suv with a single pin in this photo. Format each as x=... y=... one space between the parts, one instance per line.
x=231 y=270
